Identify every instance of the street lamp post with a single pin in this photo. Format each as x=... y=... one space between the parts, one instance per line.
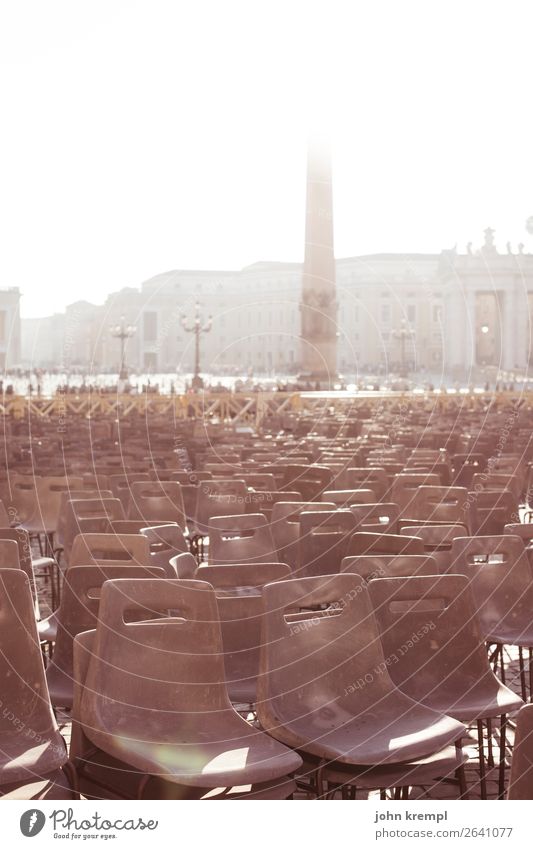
x=122 y=331
x=403 y=335
x=197 y=327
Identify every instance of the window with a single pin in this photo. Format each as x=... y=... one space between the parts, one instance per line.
x=150 y=326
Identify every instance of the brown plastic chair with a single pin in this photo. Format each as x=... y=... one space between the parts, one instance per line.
x=110 y=549
x=179 y=724
x=241 y=539
x=364 y=542
x=31 y=747
x=389 y=566
x=324 y=538
x=309 y=480
x=78 y=612
x=382 y=517
x=88 y=515
x=437 y=541
x=367 y=477
x=429 y=626
x=521 y=778
x=497 y=481
x=165 y=542
x=491 y=510
x=405 y=484
x=345 y=498
x=67 y=496
x=121 y=485
x=125 y=526
x=240 y=606
x=285 y=526
x=319 y=640
x=499 y=571
x=437 y=504
x=218 y=498
x=158 y=502
x=263 y=502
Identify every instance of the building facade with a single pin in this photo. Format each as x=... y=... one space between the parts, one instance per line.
x=447 y=313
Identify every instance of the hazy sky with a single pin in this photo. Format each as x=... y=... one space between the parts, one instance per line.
x=143 y=136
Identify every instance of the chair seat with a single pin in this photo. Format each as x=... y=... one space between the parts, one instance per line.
x=22 y=759
x=384 y=734
x=224 y=750
x=478 y=702
x=417 y=772
x=52 y=787
x=512 y=635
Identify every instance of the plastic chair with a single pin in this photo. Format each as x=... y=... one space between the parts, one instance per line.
x=241 y=539
x=491 y=510
x=309 y=481
x=179 y=725
x=324 y=538
x=31 y=747
x=364 y=542
x=370 y=567
x=88 y=515
x=319 y=641
x=165 y=542
x=157 y=502
x=499 y=571
x=382 y=517
x=437 y=541
x=405 y=484
x=345 y=498
x=240 y=606
x=437 y=504
x=263 y=502
x=285 y=526
x=110 y=549
x=365 y=477
x=444 y=664
x=218 y=498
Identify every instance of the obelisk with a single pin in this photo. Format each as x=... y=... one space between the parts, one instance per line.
x=319 y=298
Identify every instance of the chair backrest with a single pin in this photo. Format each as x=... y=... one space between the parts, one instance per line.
x=309 y=480
x=285 y=526
x=241 y=539
x=165 y=541
x=78 y=611
x=345 y=498
x=382 y=517
x=319 y=639
x=324 y=538
x=491 y=510
x=439 y=504
x=121 y=485
x=219 y=498
x=9 y=554
x=364 y=542
x=64 y=497
x=88 y=515
x=24 y=499
x=263 y=502
x=437 y=540
x=375 y=566
x=158 y=502
x=49 y=496
x=238 y=589
x=521 y=777
x=497 y=481
x=367 y=477
x=429 y=625
x=184 y=565
x=26 y=713
x=501 y=577
x=110 y=549
x=133 y=679
x=125 y=526
x=405 y=484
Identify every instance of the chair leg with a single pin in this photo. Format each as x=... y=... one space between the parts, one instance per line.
x=460 y=773
x=522 y=673
x=530 y=670
x=490 y=754
x=481 y=750
x=501 y=768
